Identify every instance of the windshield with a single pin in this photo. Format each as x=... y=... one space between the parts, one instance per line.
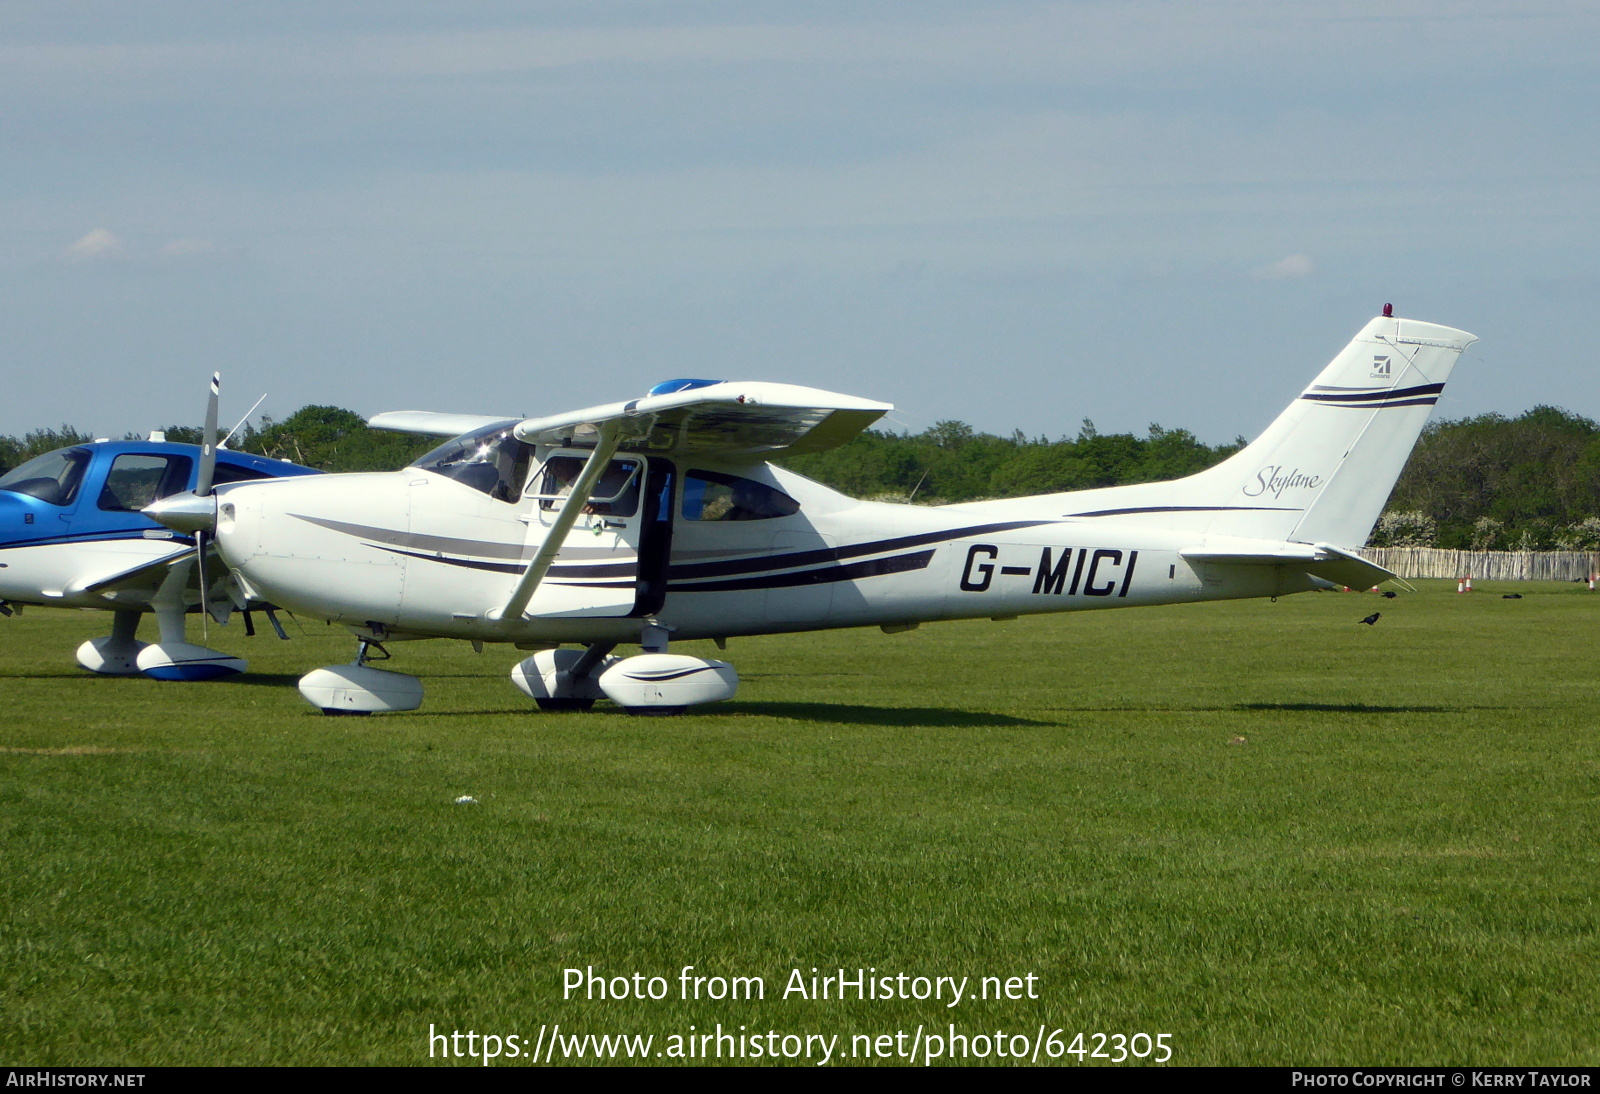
x=490 y=460
x=53 y=477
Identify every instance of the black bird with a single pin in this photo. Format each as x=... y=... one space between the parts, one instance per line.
x=1371 y=619
x=1389 y=594
x=1512 y=596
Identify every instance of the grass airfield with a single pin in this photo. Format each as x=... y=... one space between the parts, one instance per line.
x=1277 y=835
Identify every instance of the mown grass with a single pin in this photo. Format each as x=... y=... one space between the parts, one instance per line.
x=1275 y=834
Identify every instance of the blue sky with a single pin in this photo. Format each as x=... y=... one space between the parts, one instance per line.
x=1015 y=214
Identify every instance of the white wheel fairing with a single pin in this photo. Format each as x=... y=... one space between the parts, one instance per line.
x=110 y=657
x=187 y=662
x=668 y=680
x=357 y=689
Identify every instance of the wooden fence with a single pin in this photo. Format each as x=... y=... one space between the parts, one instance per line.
x=1486 y=565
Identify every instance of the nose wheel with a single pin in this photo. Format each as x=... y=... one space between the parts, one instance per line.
x=357 y=688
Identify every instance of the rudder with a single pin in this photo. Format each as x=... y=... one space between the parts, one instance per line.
x=1337 y=451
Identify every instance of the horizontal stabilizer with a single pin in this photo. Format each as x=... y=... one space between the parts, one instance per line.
x=427 y=421
x=729 y=420
x=1320 y=560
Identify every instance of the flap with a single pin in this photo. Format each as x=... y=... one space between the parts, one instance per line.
x=728 y=420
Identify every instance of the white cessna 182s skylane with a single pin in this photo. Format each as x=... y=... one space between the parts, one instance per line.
x=686 y=531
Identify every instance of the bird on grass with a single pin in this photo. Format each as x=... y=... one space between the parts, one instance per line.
x=1389 y=594
x=1371 y=619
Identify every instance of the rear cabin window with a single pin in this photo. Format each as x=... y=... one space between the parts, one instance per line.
x=53 y=477
x=135 y=481
x=712 y=495
x=615 y=495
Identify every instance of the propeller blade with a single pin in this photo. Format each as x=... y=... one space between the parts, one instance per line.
x=202 y=487
x=208 y=443
x=205 y=608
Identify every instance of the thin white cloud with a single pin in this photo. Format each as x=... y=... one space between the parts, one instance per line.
x=100 y=243
x=1287 y=269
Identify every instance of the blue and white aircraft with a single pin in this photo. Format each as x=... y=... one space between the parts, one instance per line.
x=72 y=535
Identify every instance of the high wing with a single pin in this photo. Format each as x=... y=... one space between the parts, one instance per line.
x=427 y=421
x=727 y=419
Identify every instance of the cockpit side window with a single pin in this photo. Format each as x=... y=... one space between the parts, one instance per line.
x=615 y=495
x=712 y=495
x=53 y=477
x=490 y=460
x=136 y=480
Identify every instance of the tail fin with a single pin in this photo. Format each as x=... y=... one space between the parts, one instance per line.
x=1322 y=471
x=1329 y=462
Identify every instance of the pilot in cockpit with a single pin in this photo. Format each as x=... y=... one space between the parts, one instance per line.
x=561 y=475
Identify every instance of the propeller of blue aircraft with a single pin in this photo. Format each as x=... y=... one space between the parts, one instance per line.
x=72 y=535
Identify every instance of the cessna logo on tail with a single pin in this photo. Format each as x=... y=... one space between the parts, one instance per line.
x=1274 y=480
x=1380 y=366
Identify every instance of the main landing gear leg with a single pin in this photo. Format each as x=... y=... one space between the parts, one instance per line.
x=596 y=652
x=172 y=658
x=563 y=680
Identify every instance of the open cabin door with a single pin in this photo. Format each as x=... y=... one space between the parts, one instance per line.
x=597 y=572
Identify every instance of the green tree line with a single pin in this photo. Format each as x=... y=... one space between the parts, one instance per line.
x=949 y=462
x=1495 y=483
x=325 y=437
x=1491 y=483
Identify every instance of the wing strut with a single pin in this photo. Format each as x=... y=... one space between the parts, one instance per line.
x=605 y=447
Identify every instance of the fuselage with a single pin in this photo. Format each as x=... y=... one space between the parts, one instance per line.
x=707 y=550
